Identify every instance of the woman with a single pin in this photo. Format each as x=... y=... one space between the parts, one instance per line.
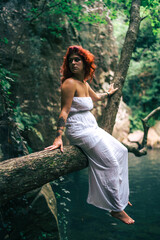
x=108 y=158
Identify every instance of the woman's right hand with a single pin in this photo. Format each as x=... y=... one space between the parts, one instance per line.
x=58 y=143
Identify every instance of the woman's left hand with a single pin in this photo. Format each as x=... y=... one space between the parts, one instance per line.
x=112 y=90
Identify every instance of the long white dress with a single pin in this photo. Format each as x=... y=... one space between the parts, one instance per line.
x=108 y=158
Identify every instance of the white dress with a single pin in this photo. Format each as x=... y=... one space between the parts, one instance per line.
x=108 y=158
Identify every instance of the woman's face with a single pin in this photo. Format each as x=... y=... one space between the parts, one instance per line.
x=76 y=64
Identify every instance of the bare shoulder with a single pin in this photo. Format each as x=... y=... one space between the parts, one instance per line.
x=68 y=87
x=69 y=82
x=88 y=86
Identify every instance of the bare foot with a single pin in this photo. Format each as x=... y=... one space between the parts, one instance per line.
x=122 y=216
x=129 y=203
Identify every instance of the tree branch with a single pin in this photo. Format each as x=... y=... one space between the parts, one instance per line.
x=142 y=148
x=151 y=114
x=146 y=127
x=143 y=18
x=135 y=151
x=23 y=174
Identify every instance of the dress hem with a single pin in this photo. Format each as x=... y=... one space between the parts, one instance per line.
x=109 y=210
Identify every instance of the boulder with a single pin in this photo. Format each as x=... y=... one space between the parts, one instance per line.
x=33 y=216
x=157 y=127
x=153 y=139
x=122 y=124
x=136 y=136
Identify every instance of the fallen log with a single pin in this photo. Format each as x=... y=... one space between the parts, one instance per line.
x=23 y=174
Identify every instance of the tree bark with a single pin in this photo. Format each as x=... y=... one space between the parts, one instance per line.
x=109 y=113
x=23 y=174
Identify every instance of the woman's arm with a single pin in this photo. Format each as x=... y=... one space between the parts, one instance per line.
x=67 y=94
x=101 y=96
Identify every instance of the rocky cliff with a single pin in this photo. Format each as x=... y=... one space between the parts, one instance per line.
x=35 y=54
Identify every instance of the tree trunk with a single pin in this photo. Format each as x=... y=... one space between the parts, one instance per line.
x=109 y=113
x=23 y=174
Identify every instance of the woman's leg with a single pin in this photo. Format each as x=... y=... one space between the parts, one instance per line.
x=108 y=176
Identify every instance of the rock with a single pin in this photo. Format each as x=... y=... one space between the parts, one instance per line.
x=121 y=130
x=122 y=124
x=136 y=136
x=153 y=139
x=157 y=127
x=32 y=217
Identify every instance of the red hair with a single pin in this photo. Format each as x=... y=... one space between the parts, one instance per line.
x=88 y=60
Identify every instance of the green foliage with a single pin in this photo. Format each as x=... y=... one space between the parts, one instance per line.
x=149 y=9
x=93 y=18
x=118 y=6
x=57 y=195
x=77 y=14
x=152 y=10
x=4 y=40
x=55 y=29
x=142 y=86
x=34 y=10
x=135 y=120
x=69 y=10
x=6 y=78
x=120 y=27
x=25 y=121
